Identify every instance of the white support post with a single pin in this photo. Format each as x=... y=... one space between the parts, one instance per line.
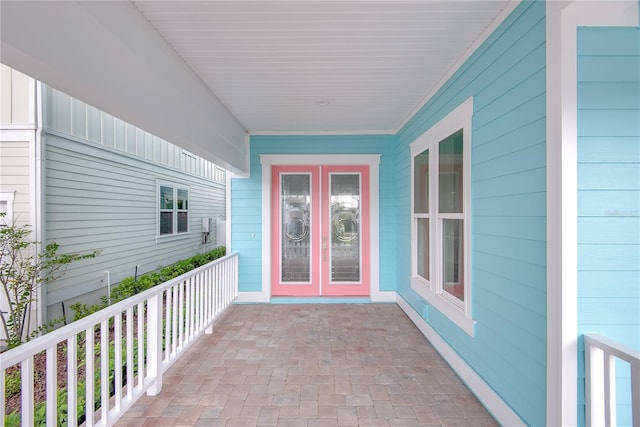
x=154 y=347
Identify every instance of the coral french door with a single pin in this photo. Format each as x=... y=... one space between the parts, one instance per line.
x=320 y=224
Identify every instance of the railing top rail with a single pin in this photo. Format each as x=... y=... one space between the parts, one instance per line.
x=28 y=349
x=617 y=349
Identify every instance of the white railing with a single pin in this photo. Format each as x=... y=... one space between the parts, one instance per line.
x=600 y=380
x=157 y=326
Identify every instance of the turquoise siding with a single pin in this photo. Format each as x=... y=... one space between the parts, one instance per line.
x=506 y=77
x=246 y=199
x=609 y=194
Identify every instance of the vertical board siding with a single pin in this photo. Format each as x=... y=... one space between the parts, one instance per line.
x=246 y=199
x=609 y=195
x=72 y=117
x=101 y=199
x=15 y=101
x=14 y=177
x=506 y=77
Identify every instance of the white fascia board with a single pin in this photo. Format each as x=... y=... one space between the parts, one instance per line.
x=108 y=55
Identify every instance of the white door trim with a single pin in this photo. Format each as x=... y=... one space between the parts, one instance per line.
x=371 y=160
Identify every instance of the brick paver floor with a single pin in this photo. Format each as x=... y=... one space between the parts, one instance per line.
x=311 y=365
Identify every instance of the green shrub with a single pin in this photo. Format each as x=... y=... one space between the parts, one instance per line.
x=130 y=286
x=12 y=384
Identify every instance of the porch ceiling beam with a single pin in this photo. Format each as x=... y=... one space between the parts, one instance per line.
x=109 y=56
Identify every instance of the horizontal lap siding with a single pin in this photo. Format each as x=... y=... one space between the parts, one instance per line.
x=609 y=194
x=102 y=199
x=14 y=177
x=506 y=77
x=246 y=202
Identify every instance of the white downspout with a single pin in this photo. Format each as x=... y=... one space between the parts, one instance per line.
x=37 y=185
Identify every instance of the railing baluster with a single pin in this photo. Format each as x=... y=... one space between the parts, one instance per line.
x=117 y=331
x=72 y=380
x=27 y=391
x=219 y=294
x=174 y=331
x=89 y=376
x=635 y=392
x=129 y=333
x=181 y=326
x=141 y=344
x=610 y=384
x=194 y=307
x=2 y=392
x=52 y=385
x=167 y=331
x=104 y=371
x=196 y=297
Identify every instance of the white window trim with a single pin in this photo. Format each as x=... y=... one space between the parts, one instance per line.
x=176 y=187
x=459 y=312
x=7 y=196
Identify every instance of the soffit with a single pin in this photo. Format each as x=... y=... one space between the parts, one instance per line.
x=321 y=66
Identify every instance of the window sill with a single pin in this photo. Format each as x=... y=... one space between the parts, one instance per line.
x=452 y=312
x=171 y=237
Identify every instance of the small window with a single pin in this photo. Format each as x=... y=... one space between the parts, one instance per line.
x=440 y=216
x=173 y=204
x=6 y=208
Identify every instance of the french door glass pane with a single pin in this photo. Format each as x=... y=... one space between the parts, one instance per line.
x=452 y=249
x=450 y=177
x=423 y=248
x=345 y=237
x=421 y=183
x=295 y=198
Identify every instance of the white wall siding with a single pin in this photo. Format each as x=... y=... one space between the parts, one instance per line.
x=99 y=198
x=17 y=139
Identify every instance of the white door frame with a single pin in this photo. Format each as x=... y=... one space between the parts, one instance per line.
x=371 y=160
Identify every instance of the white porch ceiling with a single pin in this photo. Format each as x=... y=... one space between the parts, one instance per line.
x=321 y=66
x=202 y=74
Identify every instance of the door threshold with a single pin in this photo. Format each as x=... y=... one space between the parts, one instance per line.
x=320 y=300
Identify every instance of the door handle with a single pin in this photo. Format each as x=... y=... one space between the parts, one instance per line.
x=324 y=248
